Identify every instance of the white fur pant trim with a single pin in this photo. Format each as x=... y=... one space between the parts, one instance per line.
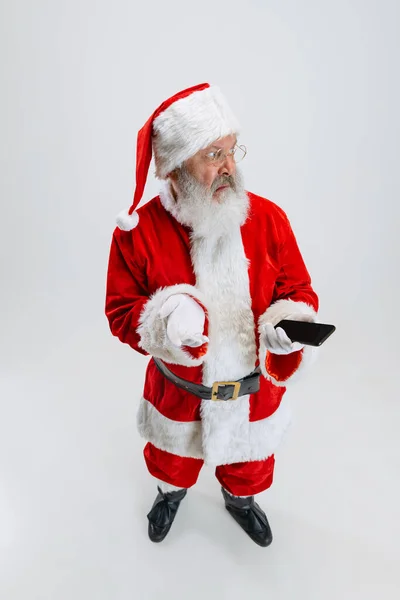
x=167 y=487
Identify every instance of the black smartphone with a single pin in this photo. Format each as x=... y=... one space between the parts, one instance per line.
x=311 y=334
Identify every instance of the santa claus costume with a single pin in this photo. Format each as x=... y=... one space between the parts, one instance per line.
x=244 y=270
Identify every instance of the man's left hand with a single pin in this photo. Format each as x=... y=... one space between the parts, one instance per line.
x=277 y=341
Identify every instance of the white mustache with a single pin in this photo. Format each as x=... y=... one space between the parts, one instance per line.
x=225 y=180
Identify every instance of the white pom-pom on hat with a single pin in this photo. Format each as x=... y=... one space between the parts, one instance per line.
x=126 y=221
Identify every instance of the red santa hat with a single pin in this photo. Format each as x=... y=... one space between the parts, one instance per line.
x=181 y=126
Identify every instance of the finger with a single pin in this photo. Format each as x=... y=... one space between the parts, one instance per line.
x=192 y=343
x=283 y=340
x=174 y=335
x=283 y=337
x=286 y=342
x=270 y=336
x=169 y=306
x=195 y=341
x=296 y=346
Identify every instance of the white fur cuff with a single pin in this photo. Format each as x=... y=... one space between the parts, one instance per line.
x=286 y=309
x=153 y=329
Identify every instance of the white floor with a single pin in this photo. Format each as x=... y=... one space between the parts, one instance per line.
x=74 y=490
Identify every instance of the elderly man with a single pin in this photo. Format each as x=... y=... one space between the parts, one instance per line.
x=198 y=279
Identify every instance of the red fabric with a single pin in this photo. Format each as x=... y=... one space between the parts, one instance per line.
x=284 y=276
x=280 y=369
x=247 y=478
x=277 y=270
x=144 y=143
x=157 y=254
x=266 y=401
x=176 y=470
x=169 y=400
x=239 y=479
x=127 y=292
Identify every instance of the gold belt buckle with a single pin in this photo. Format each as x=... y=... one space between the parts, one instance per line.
x=217 y=384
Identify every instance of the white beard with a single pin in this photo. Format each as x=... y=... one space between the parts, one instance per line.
x=208 y=218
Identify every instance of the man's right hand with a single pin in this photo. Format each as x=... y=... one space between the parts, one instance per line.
x=185 y=321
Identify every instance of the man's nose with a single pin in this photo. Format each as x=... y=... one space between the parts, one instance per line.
x=228 y=167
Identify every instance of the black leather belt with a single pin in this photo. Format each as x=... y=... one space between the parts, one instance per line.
x=221 y=390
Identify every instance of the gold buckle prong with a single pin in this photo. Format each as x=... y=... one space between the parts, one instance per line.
x=217 y=384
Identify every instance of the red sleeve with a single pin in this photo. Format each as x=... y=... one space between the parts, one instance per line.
x=293 y=295
x=126 y=292
x=133 y=313
x=293 y=281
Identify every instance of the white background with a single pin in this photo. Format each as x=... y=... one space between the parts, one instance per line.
x=315 y=85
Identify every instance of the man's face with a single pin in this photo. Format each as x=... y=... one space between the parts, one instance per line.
x=213 y=166
x=207 y=192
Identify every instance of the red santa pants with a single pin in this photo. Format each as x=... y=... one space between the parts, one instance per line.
x=239 y=479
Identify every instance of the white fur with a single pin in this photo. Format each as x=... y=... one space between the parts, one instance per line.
x=208 y=219
x=178 y=437
x=127 y=222
x=232 y=496
x=167 y=487
x=189 y=125
x=286 y=309
x=254 y=440
x=221 y=269
x=222 y=274
x=153 y=329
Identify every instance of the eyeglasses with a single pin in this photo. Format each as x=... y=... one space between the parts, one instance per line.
x=217 y=157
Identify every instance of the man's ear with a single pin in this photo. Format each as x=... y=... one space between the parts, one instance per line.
x=172 y=179
x=173 y=176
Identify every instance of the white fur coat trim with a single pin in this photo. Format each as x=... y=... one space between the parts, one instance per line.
x=255 y=440
x=188 y=125
x=221 y=269
x=153 y=329
x=286 y=309
x=222 y=276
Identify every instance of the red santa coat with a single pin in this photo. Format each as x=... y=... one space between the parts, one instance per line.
x=256 y=275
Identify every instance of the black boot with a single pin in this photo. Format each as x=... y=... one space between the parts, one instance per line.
x=250 y=517
x=163 y=513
